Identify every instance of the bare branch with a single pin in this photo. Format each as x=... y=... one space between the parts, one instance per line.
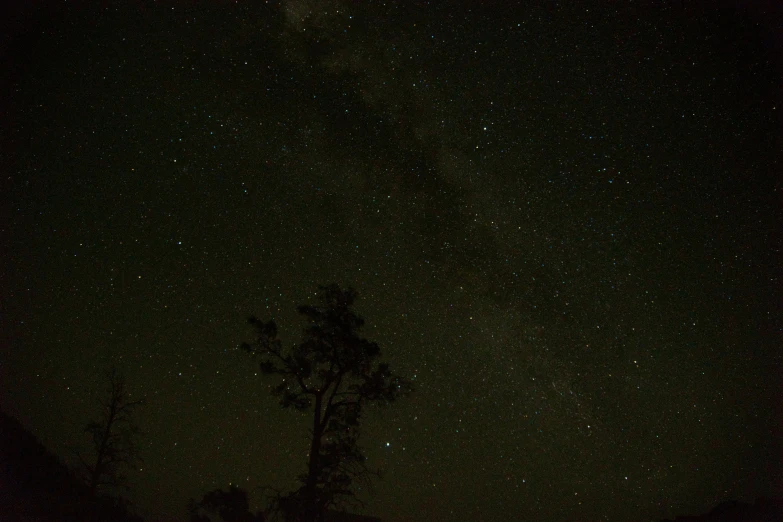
x=113 y=437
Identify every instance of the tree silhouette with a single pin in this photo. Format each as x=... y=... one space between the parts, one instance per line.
x=36 y=485
x=335 y=372
x=113 y=437
x=231 y=506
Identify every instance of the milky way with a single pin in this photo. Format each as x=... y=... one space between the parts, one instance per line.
x=563 y=225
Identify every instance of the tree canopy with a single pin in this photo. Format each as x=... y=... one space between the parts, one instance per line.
x=335 y=372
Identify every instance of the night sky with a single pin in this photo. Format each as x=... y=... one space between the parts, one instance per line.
x=563 y=220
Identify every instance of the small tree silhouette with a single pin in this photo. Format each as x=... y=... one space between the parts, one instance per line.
x=230 y=506
x=335 y=372
x=113 y=437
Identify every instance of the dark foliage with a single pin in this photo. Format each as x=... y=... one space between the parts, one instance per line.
x=334 y=372
x=230 y=506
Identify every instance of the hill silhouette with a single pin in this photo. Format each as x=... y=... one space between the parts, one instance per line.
x=36 y=486
x=763 y=510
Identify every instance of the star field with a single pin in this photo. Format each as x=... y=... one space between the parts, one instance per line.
x=563 y=222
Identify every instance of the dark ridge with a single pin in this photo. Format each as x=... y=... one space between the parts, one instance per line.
x=36 y=486
x=763 y=510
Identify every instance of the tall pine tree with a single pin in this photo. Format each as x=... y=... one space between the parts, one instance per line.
x=334 y=372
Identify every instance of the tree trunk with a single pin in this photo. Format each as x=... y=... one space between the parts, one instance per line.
x=98 y=469
x=313 y=468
